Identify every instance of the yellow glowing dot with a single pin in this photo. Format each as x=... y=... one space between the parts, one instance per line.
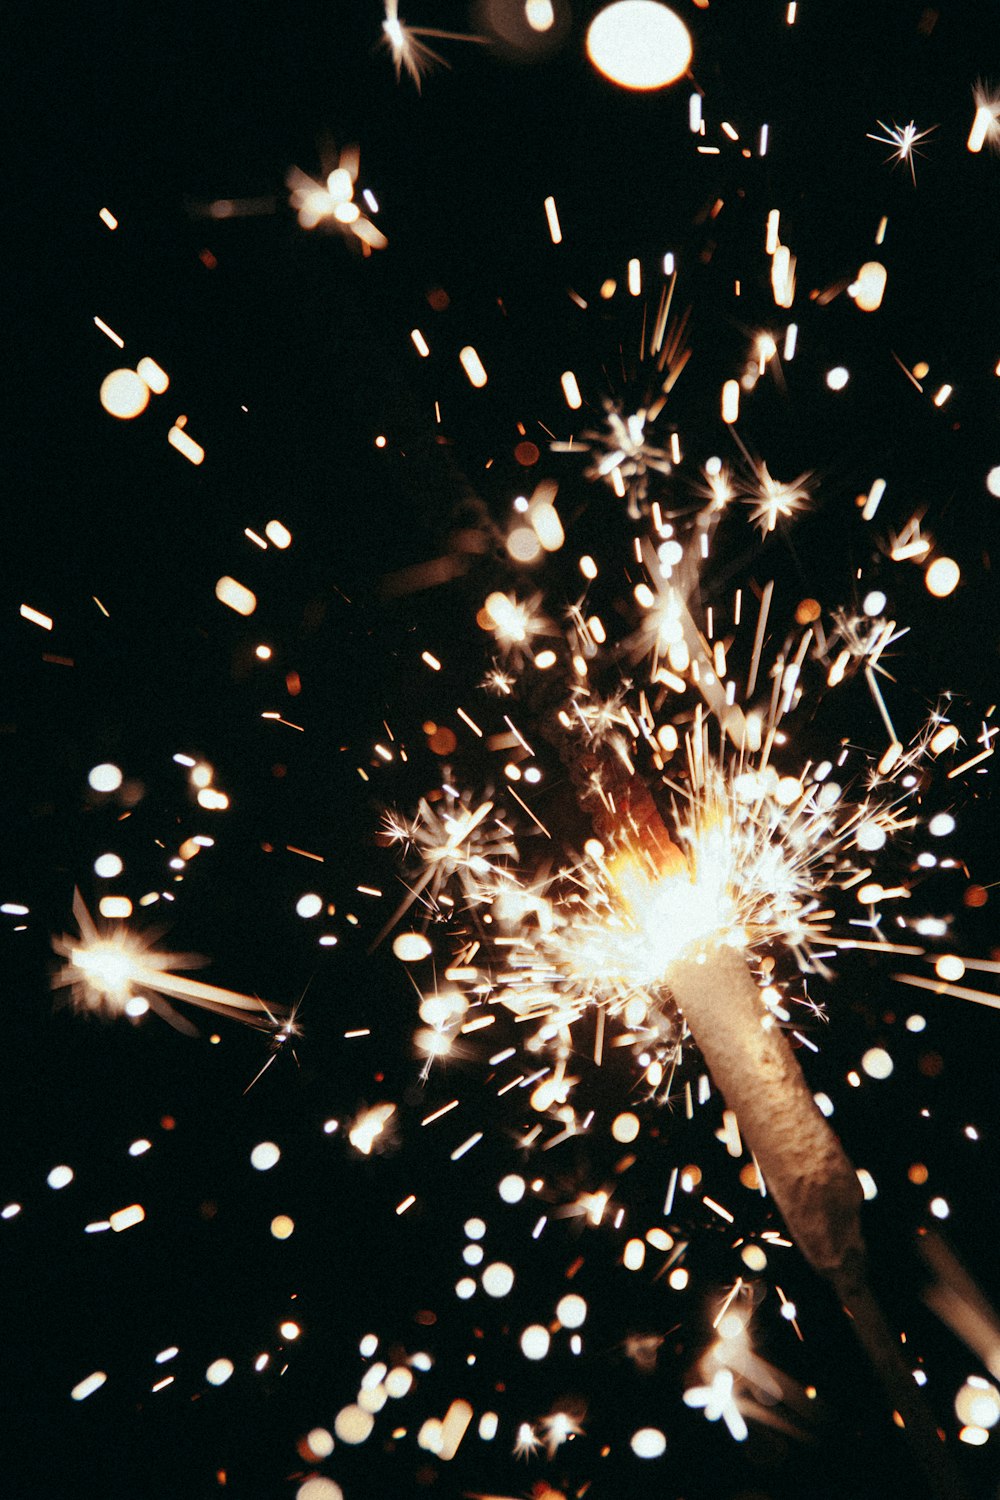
x=320 y=1441
x=788 y=790
x=380 y=441
x=278 y=535
x=289 y=1330
x=219 y=1371
x=523 y=544
x=124 y=394
x=918 y=1174
x=625 y=1127
x=944 y=739
x=679 y=1278
x=753 y=1257
x=588 y=567
x=648 y=1442
x=974 y=1436
x=571 y=1310
x=993 y=481
x=942 y=577
x=353 y=1424
x=498 y=1279
x=545 y=659
x=869 y=1187
x=690 y=1178
x=282 y=1227
x=639 y=44
x=535 y=1341
x=185 y=444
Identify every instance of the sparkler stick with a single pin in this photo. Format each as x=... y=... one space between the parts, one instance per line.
x=801 y=1159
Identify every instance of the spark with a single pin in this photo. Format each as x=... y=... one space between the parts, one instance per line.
x=408 y=50
x=904 y=140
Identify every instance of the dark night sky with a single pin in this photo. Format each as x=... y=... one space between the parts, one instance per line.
x=289 y=353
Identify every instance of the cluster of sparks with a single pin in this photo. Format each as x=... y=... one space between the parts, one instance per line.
x=683 y=710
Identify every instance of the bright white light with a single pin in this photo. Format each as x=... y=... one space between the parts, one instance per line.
x=219 y=1371
x=941 y=825
x=877 y=1063
x=309 y=905
x=264 y=1156
x=512 y=1188
x=60 y=1177
x=535 y=1341
x=107 y=866
x=639 y=44
x=648 y=1442
x=105 y=778
x=837 y=378
x=498 y=1279
x=571 y=1310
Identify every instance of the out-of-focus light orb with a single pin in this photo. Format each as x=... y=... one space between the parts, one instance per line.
x=60 y=1177
x=941 y=825
x=571 y=1310
x=140 y=1147
x=398 y=1382
x=942 y=577
x=152 y=375
x=523 y=545
x=107 y=866
x=124 y=394
x=870 y=836
x=236 y=596
x=118 y=907
x=939 y=1208
x=874 y=603
x=753 y=1257
x=679 y=1278
x=625 y=1128
x=309 y=905
x=282 y=1227
x=219 y=1371
x=837 y=378
x=87 y=1387
x=105 y=777
x=411 y=947
x=949 y=967
x=539 y=14
x=473 y=1255
x=318 y=1486
x=475 y=1228
x=869 y=288
x=498 y=1279
x=263 y=653
x=993 y=481
x=340 y=185
x=511 y=1188
x=465 y=1288
x=639 y=44
x=264 y=1156
x=289 y=1330
x=978 y=1402
x=279 y=536
x=916 y=1023
x=368 y=1345
x=877 y=1063
x=648 y=1442
x=535 y=1341
x=136 y=1006
x=353 y=1424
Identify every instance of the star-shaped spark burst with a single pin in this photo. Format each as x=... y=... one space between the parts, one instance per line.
x=772 y=500
x=624 y=456
x=114 y=972
x=408 y=51
x=332 y=203
x=904 y=140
